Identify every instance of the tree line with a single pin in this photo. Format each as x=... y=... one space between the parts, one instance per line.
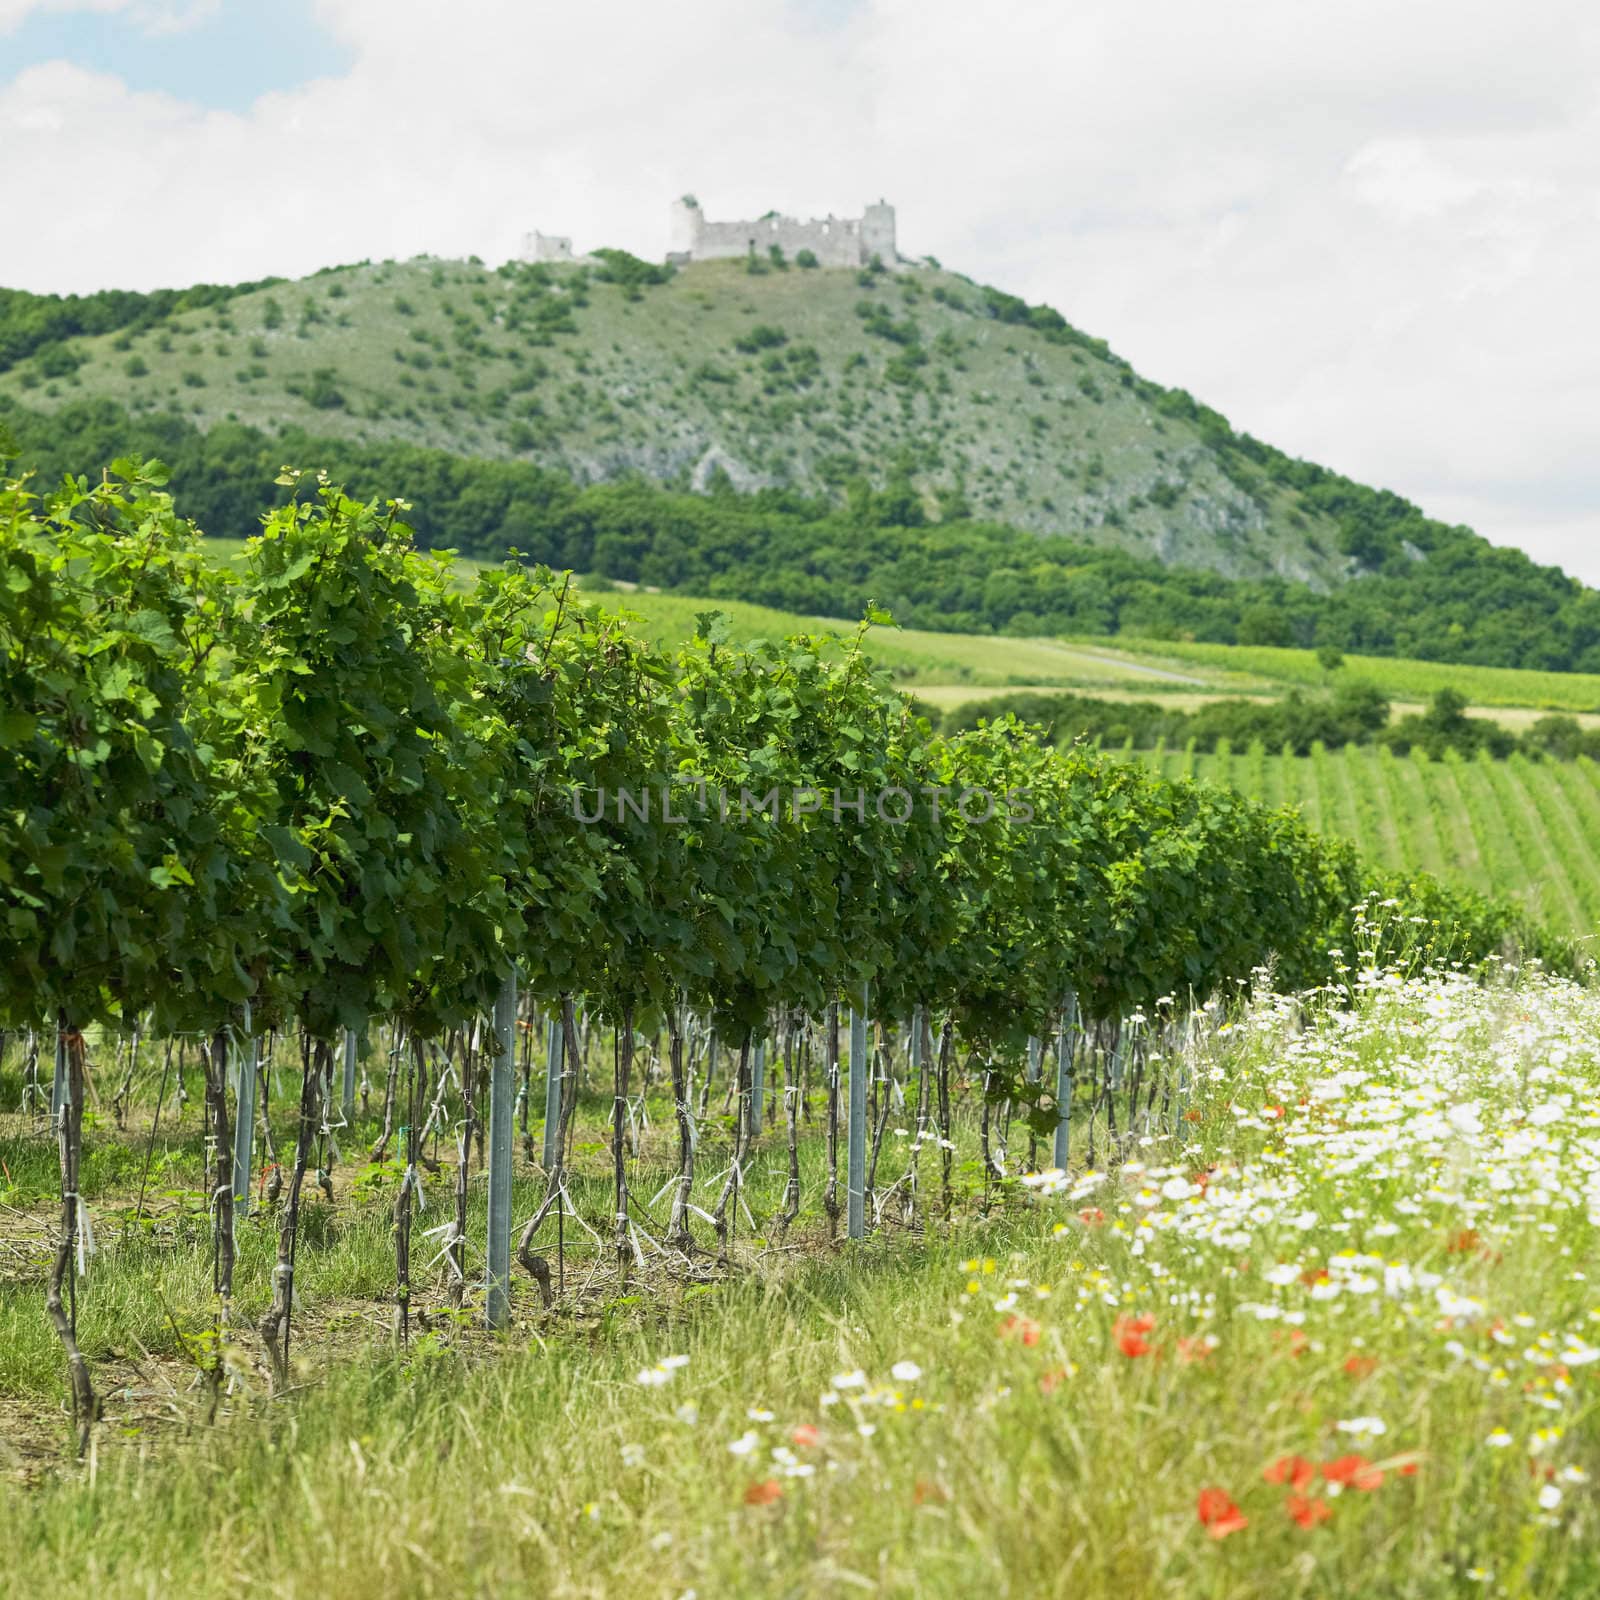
x=1353 y=712
x=1422 y=590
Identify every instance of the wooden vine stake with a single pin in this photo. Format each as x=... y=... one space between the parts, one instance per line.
x=919 y=1075
x=741 y=1146
x=791 y=1117
x=58 y=1084
x=219 y=1135
x=555 y=1170
x=622 y=1072
x=409 y=1193
x=75 y=1238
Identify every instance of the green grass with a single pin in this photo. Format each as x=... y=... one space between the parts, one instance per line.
x=954 y=662
x=915 y=657
x=1526 y=830
x=1400 y=679
x=1350 y=1253
x=951 y=668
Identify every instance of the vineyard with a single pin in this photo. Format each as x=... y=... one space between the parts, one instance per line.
x=1522 y=829
x=403 y=962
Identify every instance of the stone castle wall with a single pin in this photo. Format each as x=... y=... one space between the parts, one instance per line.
x=835 y=241
x=538 y=246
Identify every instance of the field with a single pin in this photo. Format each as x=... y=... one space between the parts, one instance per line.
x=947 y=669
x=1399 y=679
x=1334 y=1341
x=1526 y=830
x=953 y=664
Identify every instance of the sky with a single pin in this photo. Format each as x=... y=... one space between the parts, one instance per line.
x=1367 y=231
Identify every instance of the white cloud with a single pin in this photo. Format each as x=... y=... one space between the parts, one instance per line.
x=1368 y=233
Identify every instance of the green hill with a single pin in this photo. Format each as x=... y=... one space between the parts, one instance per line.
x=808 y=439
x=795 y=378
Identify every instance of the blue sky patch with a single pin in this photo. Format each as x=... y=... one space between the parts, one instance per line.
x=224 y=63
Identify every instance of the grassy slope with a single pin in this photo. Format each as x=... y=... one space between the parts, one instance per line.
x=953 y=667
x=1179 y=673
x=1040 y=433
x=960 y=662
x=1400 y=679
x=1037 y=1444
x=958 y=666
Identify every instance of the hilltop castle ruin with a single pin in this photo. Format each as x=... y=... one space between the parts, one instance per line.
x=834 y=241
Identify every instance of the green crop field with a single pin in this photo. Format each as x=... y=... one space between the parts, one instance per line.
x=962 y=666
x=958 y=662
x=1400 y=679
x=1527 y=830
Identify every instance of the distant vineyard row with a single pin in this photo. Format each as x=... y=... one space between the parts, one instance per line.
x=1525 y=830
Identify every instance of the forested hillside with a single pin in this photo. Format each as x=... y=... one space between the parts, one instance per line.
x=808 y=438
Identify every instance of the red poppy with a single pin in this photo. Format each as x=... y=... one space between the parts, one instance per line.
x=1463 y=1241
x=1361 y=1366
x=1219 y=1516
x=805 y=1435
x=1307 y=1512
x=1272 y=1113
x=1023 y=1328
x=1355 y=1472
x=1191 y=1115
x=1091 y=1216
x=763 y=1493
x=1052 y=1380
x=1193 y=1348
x=1295 y=1471
x=1130 y=1334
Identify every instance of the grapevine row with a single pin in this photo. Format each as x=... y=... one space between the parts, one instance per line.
x=335 y=784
